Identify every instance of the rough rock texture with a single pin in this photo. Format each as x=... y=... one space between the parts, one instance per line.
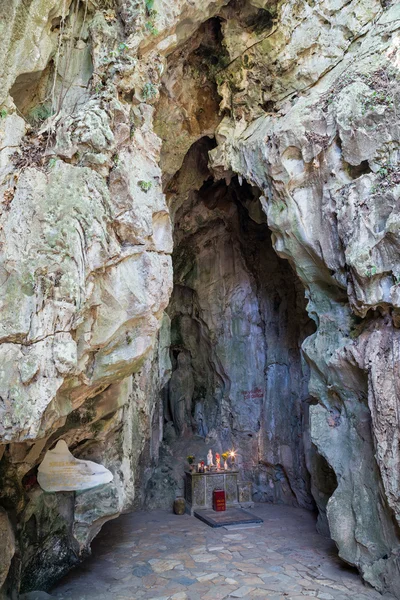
x=7 y=545
x=327 y=165
x=85 y=270
x=100 y=103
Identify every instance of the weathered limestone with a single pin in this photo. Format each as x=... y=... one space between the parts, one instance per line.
x=7 y=545
x=303 y=101
x=85 y=270
x=26 y=48
x=325 y=165
x=60 y=471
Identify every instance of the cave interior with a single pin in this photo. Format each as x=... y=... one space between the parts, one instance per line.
x=237 y=322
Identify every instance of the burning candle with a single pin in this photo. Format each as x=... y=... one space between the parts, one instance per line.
x=218 y=461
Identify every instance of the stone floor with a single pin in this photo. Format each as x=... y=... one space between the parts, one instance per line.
x=161 y=556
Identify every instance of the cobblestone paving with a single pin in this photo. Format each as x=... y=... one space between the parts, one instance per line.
x=161 y=556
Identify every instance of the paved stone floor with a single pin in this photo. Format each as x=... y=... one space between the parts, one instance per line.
x=161 y=556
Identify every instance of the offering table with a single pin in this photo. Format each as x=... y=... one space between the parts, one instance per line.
x=199 y=489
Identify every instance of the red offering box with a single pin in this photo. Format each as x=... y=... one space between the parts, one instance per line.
x=219 y=503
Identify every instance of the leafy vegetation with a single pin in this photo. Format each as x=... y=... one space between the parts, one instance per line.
x=377 y=98
x=151 y=14
x=39 y=114
x=384 y=84
x=145 y=186
x=388 y=176
x=151 y=28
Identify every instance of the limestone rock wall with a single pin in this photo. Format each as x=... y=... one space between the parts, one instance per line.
x=325 y=156
x=86 y=271
x=303 y=101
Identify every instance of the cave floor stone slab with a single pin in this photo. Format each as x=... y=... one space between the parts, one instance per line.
x=231 y=516
x=161 y=556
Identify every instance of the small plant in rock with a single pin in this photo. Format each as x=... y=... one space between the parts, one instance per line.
x=388 y=176
x=149 y=91
x=151 y=28
x=280 y=205
x=384 y=84
x=383 y=172
x=151 y=14
x=3 y=113
x=396 y=278
x=377 y=98
x=97 y=426
x=39 y=114
x=149 y=5
x=329 y=96
x=371 y=270
x=145 y=186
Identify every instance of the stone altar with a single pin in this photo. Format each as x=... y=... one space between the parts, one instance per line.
x=199 y=489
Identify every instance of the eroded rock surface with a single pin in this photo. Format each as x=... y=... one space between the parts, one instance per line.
x=103 y=103
x=326 y=164
x=7 y=546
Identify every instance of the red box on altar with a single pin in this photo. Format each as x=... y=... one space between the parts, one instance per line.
x=219 y=503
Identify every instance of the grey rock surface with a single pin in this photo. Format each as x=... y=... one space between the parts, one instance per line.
x=130 y=132
x=325 y=164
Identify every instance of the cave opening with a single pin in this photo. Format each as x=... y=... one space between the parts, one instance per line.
x=237 y=320
x=237 y=314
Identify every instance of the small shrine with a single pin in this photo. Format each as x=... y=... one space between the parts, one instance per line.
x=202 y=480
